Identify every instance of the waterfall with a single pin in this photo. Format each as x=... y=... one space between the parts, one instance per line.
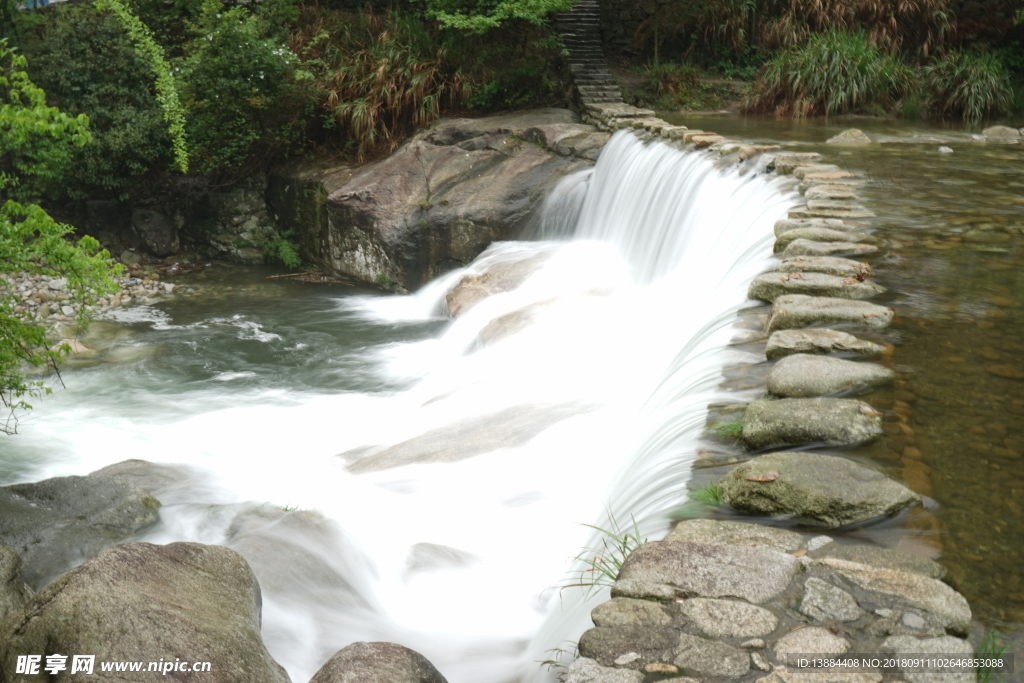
x=462 y=490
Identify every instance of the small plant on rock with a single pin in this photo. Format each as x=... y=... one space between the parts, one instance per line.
x=602 y=564
x=992 y=647
x=728 y=430
x=710 y=493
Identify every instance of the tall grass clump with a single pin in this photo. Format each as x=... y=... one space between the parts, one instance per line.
x=375 y=76
x=968 y=86
x=602 y=564
x=832 y=73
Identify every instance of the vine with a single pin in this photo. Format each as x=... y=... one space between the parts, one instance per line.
x=166 y=88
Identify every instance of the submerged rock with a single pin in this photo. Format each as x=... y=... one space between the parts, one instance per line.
x=499 y=278
x=830 y=265
x=822 y=489
x=838 y=422
x=850 y=136
x=803 y=375
x=797 y=310
x=770 y=286
x=817 y=340
x=57 y=523
x=137 y=602
x=377 y=663
x=806 y=247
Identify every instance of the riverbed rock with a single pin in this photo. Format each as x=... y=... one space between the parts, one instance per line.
x=496 y=279
x=822 y=235
x=377 y=663
x=156 y=231
x=772 y=285
x=703 y=657
x=788 y=224
x=138 y=602
x=57 y=523
x=886 y=558
x=804 y=375
x=829 y=265
x=1001 y=132
x=729 y=618
x=629 y=611
x=806 y=247
x=941 y=647
x=666 y=569
x=850 y=136
x=837 y=422
x=726 y=532
x=824 y=602
x=586 y=670
x=14 y=593
x=813 y=640
x=820 y=489
x=817 y=340
x=797 y=310
x=937 y=601
x=607 y=644
x=435 y=203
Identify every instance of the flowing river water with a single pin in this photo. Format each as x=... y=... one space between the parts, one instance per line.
x=275 y=399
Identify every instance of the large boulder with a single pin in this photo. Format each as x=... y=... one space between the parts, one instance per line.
x=817 y=340
x=770 y=286
x=835 y=422
x=819 y=489
x=799 y=310
x=436 y=202
x=13 y=591
x=1002 y=133
x=143 y=602
x=57 y=523
x=804 y=375
x=377 y=663
x=156 y=231
x=850 y=136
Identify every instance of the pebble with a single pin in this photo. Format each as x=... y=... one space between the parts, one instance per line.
x=945 y=150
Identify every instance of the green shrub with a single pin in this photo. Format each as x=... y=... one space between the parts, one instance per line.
x=833 y=73
x=968 y=86
x=666 y=86
x=728 y=430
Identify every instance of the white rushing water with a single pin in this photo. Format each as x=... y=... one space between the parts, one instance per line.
x=598 y=403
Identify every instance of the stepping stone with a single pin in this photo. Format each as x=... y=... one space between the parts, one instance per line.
x=787 y=342
x=770 y=286
x=806 y=247
x=830 y=192
x=832 y=265
x=850 y=136
x=838 y=422
x=786 y=224
x=830 y=213
x=688 y=135
x=848 y=181
x=828 y=175
x=800 y=172
x=796 y=310
x=727 y=532
x=703 y=141
x=882 y=558
x=836 y=204
x=786 y=162
x=750 y=151
x=804 y=375
x=822 y=235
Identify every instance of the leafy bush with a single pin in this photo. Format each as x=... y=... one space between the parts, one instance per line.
x=481 y=15
x=968 y=86
x=674 y=86
x=833 y=73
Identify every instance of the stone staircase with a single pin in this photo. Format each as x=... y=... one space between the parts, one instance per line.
x=581 y=30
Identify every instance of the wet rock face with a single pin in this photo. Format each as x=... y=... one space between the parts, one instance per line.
x=139 y=602
x=836 y=422
x=13 y=591
x=786 y=342
x=377 y=663
x=156 y=231
x=818 y=489
x=56 y=523
x=499 y=278
x=830 y=607
x=803 y=375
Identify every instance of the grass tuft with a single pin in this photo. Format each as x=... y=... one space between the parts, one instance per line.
x=710 y=494
x=729 y=430
x=968 y=86
x=602 y=564
x=992 y=647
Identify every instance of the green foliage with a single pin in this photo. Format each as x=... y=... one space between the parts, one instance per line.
x=166 y=86
x=833 y=73
x=383 y=280
x=730 y=430
x=602 y=565
x=82 y=58
x=968 y=86
x=481 y=15
x=710 y=494
x=561 y=659
x=30 y=240
x=284 y=247
x=675 y=86
x=992 y=647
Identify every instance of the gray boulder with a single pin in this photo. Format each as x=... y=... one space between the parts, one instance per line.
x=822 y=235
x=804 y=421
x=606 y=644
x=501 y=277
x=728 y=618
x=803 y=375
x=57 y=523
x=629 y=611
x=824 y=602
x=13 y=591
x=830 y=192
x=1004 y=132
x=806 y=247
x=770 y=286
x=704 y=657
x=817 y=340
x=667 y=569
x=788 y=224
x=830 y=265
x=812 y=640
x=156 y=231
x=941 y=647
x=726 y=532
x=884 y=558
x=850 y=136
x=798 y=310
x=820 y=489
x=586 y=670
x=377 y=663
x=137 y=602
